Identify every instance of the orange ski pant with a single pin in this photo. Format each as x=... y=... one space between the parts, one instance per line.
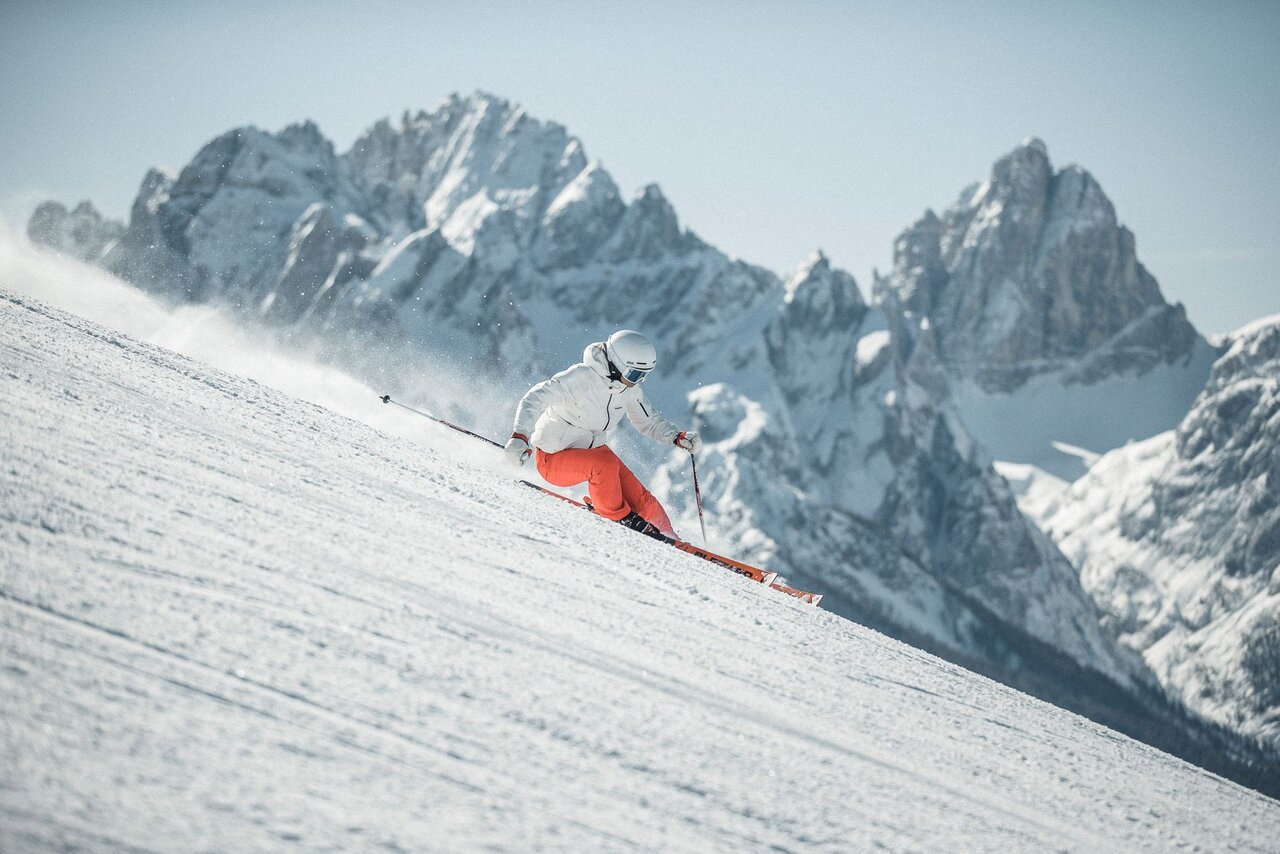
x=615 y=491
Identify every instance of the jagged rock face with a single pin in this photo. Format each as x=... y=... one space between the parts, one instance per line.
x=943 y=557
x=1030 y=273
x=232 y=210
x=1178 y=540
x=848 y=457
x=451 y=168
x=222 y=229
x=323 y=253
x=473 y=232
x=579 y=219
x=874 y=451
x=813 y=333
x=819 y=352
x=81 y=232
x=958 y=520
x=147 y=254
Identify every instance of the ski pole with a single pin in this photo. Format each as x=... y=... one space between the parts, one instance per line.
x=386 y=398
x=697 y=494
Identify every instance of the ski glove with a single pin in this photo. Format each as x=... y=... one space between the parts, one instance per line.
x=689 y=440
x=518 y=449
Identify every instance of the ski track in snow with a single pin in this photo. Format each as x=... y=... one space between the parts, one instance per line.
x=233 y=620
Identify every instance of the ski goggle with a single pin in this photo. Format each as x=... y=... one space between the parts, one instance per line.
x=635 y=375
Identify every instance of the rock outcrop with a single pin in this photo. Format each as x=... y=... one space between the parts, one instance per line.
x=1178 y=541
x=1029 y=273
x=81 y=232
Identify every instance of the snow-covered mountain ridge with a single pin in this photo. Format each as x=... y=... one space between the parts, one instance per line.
x=1178 y=540
x=477 y=235
x=473 y=231
x=211 y=641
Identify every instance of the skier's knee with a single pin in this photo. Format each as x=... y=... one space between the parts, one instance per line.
x=605 y=464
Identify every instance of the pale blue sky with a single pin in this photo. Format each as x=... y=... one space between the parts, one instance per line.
x=774 y=128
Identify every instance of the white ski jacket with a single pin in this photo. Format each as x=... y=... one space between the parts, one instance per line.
x=580 y=407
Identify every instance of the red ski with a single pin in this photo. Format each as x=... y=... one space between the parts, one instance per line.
x=763 y=576
x=811 y=598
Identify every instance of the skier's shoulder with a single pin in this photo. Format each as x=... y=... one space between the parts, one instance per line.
x=575 y=374
x=586 y=377
x=576 y=380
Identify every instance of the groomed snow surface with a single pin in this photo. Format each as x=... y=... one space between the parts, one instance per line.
x=232 y=620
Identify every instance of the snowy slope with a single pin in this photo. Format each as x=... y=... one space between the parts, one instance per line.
x=233 y=619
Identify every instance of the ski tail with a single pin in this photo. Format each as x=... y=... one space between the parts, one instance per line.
x=803 y=596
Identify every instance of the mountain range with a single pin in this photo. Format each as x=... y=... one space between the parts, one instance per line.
x=864 y=448
x=1177 y=539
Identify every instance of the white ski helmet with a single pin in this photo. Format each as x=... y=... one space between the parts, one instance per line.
x=631 y=355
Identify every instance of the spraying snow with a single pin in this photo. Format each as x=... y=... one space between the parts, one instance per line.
x=211 y=335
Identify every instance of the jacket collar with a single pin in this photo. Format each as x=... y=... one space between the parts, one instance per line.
x=595 y=358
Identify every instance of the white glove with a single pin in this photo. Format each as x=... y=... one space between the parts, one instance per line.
x=689 y=440
x=518 y=450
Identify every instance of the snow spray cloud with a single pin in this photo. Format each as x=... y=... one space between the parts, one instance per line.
x=212 y=335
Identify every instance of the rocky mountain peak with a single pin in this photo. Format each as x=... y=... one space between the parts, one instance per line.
x=451 y=167
x=82 y=232
x=816 y=265
x=1253 y=350
x=305 y=135
x=1238 y=405
x=918 y=273
x=827 y=295
x=1021 y=177
x=1029 y=272
x=580 y=218
x=1034 y=144
x=652 y=198
x=649 y=229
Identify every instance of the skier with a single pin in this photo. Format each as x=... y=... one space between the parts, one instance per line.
x=571 y=416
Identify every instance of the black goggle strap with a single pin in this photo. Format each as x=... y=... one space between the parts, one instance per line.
x=632 y=375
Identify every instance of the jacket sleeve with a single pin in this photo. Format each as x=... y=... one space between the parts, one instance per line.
x=536 y=400
x=647 y=420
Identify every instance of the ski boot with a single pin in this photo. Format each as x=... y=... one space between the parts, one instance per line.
x=636 y=522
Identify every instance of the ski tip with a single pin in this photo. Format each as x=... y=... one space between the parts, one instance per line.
x=802 y=595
